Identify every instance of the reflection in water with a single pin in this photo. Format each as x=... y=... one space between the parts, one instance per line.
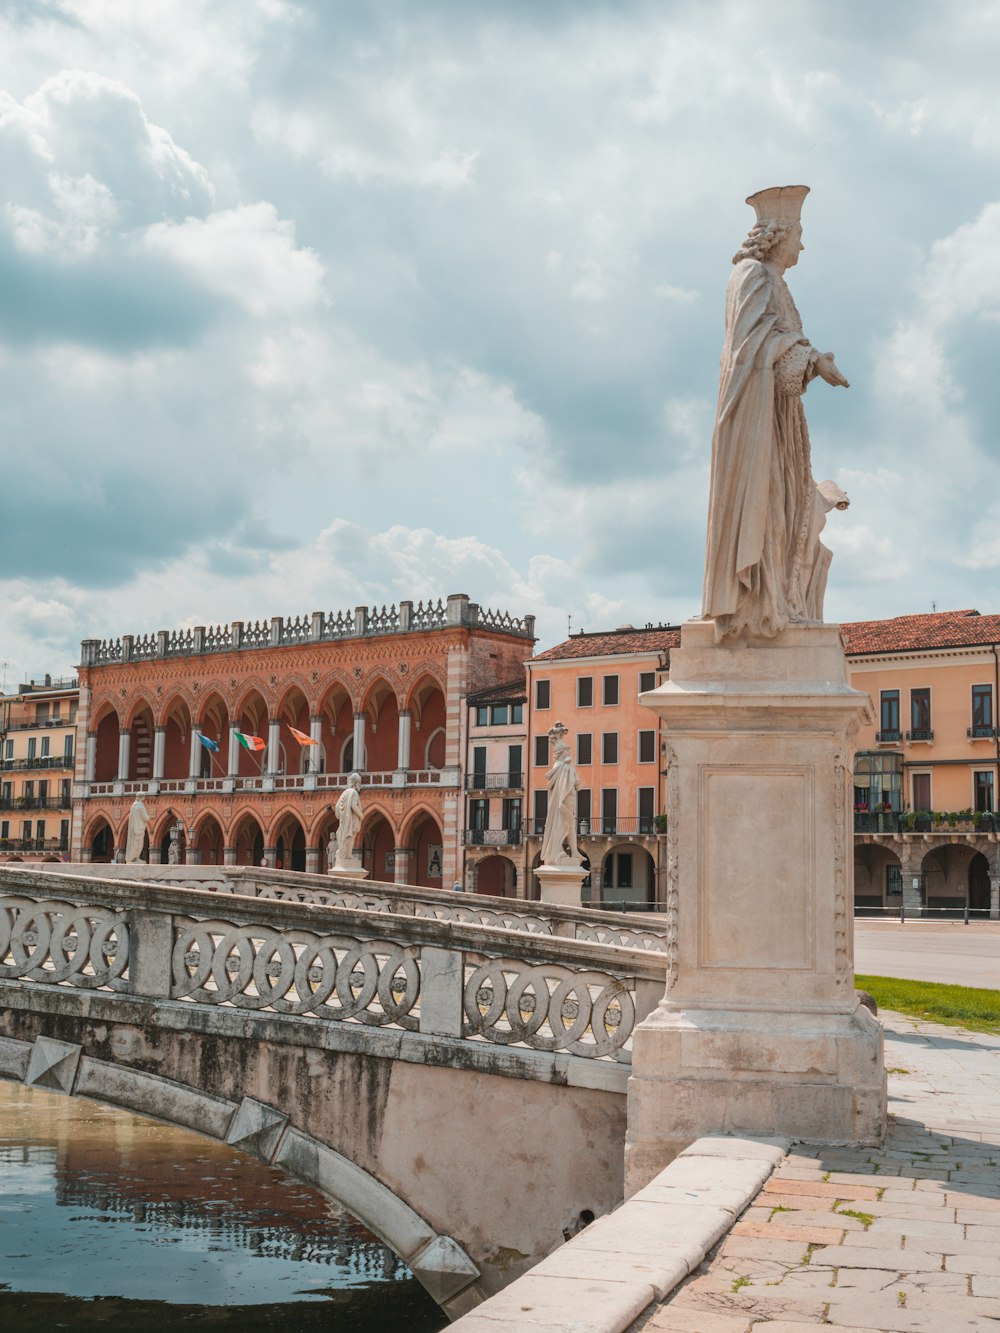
x=106 y=1217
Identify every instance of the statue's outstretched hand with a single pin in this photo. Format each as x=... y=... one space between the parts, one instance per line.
x=826 y=368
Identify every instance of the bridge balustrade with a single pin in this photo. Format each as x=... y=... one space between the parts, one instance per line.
x=593 y=924
x=415 y=974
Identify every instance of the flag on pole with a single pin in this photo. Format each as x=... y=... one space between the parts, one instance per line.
x=301 y=736
x=250 y=743
x=208 y=743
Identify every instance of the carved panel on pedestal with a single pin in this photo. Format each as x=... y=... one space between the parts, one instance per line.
x=757 y=867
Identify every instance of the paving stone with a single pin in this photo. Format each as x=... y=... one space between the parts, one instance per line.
x=983 y=1285
x=917 y=1226
x=818 y=1189
x=858 y=1256
x=670 y=1319
x=781 y=1251
x=859 y=1310
x=803 y=1235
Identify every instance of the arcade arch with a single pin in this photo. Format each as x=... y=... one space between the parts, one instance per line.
x=878 y=876
x=427 y=707
x=423 y=835
x=248 y=841
x=381 y=712
x=495 y=875
x=378 y=846
x=628 y=875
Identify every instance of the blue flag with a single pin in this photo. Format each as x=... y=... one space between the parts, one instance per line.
x=208 y=744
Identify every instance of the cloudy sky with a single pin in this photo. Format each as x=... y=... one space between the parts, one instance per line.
x=318 y=303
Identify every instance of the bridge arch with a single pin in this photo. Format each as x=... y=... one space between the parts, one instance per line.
x=267 y=1133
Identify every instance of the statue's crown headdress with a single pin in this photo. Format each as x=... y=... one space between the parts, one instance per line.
x=781 y=203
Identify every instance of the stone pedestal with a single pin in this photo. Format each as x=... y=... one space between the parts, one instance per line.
x=561 y=884
x=759 y=1031
x=355 y=871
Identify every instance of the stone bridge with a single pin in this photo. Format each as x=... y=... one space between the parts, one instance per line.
x=453 y=1073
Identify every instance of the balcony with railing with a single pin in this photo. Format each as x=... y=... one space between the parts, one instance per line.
x=889 y=736
x=43 y=723
x=40 y=761
x=34 y=845
x=981 y=732
x=492 y=837
x=920 y=734
x=512 y=780
x=878 y=821
x=33 y=803
x=270 y=782
x=645 y=826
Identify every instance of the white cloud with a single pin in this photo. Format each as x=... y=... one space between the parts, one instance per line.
x=245 y=254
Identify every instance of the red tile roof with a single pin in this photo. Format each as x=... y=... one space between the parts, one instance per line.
x=938 y=629
x=509 y=691
x=608 y=643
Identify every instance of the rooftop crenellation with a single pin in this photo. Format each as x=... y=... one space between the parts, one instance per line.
x=321 y=626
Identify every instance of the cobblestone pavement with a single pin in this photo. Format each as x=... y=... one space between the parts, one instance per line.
x=905 y=1238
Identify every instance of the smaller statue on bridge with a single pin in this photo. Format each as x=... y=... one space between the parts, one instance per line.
x=559 y=847
x=349 y=813
x=135 y=839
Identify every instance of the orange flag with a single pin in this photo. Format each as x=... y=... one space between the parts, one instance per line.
x=301 y=737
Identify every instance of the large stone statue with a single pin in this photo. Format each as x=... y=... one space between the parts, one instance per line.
x=138 y=822
x=560 y=821
x=349 y=813
x=765 y=568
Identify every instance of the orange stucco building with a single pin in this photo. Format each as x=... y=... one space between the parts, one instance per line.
x=37 y=757
x=378 y=691
x=592 y=683
x=927 y=770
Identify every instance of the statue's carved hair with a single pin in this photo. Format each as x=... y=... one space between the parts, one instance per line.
x=763 y=237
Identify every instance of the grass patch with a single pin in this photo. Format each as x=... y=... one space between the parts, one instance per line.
x=866 y=1219
x=961 y=1006
x=739 y=1283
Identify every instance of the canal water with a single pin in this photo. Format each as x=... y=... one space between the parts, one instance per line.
x=113 y=1220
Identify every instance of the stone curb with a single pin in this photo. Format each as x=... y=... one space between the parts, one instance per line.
x=603 y=1279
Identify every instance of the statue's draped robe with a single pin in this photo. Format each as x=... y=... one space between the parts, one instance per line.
x=762 y=530
x=348 y=812
x=135 y=838
x=560 y=820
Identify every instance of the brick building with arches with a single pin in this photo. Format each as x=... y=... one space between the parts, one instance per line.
x=377 y=691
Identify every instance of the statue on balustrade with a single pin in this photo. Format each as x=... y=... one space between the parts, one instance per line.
x=349 y=813
x=135 y=839
x=765 y=566
x=559 y=846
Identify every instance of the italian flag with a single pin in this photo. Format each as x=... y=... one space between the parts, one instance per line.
x=251 y=742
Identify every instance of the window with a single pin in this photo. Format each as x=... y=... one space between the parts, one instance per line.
x=920 y=715
x=478 y=767
x=4 y=829
x=624 y=870
x=609 y=810
x=609 y=747
x=499 y=715
x=515 y=765
x=982 y=710
x=32 y=747
x=28 y=791
x=68 y=748
x=26 y=830
x=45 y=746
x=922 y=792
x=482 y=716
x=479 y=814
x=512 y=814
x=894 y=881
x=585 y=692
x=583 y=809
x=41 y=714
x=647 y=681
x=65 y=793
x=541 y=751
x=610 y=690
x=40 y=830
x=517 y=712
x=6 y=793
x=543 y=694
x=889 y=716
x=540 y=808
x=43 y=791
x=647 y=747
x=646 y=808
x=983 y=783
x=584 y=748
x=64 y=835
x=9 y=752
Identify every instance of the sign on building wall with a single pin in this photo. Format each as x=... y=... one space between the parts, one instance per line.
x=434 y=861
